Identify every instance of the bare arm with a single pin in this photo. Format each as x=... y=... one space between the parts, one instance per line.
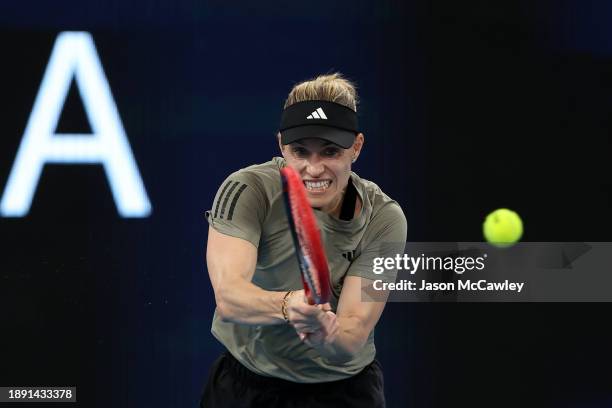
x=340 y=336
x=355 y=318
x=231 y=264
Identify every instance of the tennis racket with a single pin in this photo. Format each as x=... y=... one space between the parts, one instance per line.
x=306 y=238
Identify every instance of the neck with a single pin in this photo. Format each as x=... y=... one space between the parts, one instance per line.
x=337 y=207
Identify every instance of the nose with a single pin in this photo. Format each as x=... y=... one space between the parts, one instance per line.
x=315 y=166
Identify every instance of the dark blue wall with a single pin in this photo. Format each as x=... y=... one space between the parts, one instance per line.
x=466 y=107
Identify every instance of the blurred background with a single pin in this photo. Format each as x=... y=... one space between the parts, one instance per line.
x=466 y=107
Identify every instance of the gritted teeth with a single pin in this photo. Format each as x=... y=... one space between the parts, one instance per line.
x=317 y=185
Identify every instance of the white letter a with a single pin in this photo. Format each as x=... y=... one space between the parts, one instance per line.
x=74 y=53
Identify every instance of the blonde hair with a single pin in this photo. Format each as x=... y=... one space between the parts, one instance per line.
x=330 y=87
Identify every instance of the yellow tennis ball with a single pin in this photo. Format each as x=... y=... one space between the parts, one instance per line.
x=503 y=228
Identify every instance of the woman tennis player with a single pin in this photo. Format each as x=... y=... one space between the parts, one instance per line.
x=282 y=351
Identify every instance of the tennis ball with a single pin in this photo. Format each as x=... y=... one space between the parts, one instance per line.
x=503 y=228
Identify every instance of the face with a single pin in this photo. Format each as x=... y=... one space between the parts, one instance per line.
x=325 y=168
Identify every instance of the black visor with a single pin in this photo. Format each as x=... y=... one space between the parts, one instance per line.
x=319 y=119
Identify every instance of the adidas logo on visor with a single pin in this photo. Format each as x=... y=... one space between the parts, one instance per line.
x=318 y=114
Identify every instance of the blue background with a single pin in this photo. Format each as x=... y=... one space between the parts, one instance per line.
x=466 y=107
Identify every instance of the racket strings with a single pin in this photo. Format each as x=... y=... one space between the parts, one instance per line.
x=310 y=269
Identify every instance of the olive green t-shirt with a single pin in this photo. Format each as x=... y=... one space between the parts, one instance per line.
x=249 y=205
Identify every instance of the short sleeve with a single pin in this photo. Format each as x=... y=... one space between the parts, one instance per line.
x=387 y=240
x=239 y=208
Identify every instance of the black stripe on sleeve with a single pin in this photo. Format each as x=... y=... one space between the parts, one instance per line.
x=229 y=193
x=234 y=201
x=221 y=197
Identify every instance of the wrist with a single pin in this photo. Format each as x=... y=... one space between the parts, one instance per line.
x=333 y=351
x=284 y=306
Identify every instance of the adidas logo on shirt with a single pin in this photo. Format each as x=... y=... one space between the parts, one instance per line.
x=318 y=114
x=350 y=255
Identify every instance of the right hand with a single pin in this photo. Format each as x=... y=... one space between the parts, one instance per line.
x=316 y=321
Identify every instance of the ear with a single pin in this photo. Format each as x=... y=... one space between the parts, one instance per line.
x=280 y=145
x=358 y=145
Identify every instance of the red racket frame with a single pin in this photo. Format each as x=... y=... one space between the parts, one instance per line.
x=306 y=238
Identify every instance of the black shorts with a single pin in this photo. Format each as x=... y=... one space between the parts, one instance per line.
x=231 y=385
